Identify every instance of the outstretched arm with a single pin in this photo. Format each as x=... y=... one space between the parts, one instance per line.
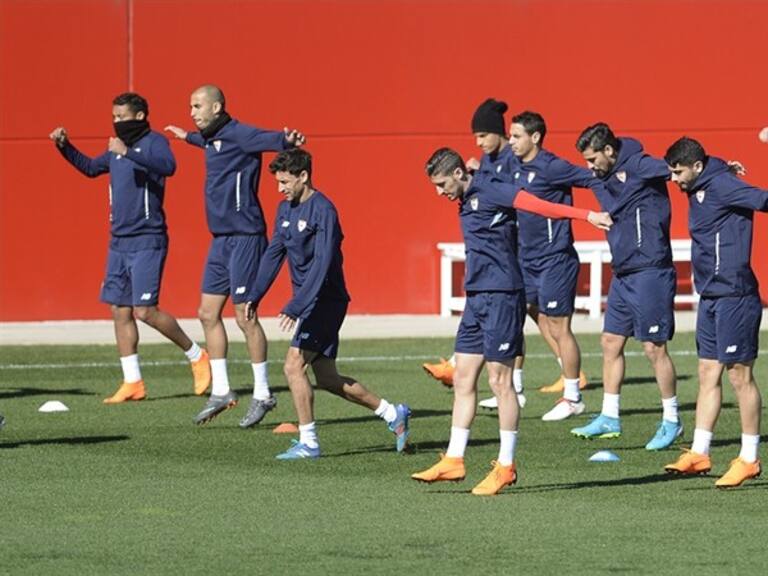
x=91 y=167
x=530 y=203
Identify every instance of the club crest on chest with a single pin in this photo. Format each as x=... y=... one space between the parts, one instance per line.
x=474 y=203
x=217 y=145
x=700 y=196
x=301 y=225
x=621 y=176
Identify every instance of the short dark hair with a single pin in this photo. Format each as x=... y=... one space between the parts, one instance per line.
x=294 y=161
x=597 y=137
x=444 y=161
x=135 y=102
x=532 y=122
x=685 y=152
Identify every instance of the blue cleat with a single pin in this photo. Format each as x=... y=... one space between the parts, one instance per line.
x=666 y=434
x=600 y=427
x=299 y=451
x=399 y=426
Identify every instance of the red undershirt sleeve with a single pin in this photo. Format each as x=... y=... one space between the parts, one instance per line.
x=530 y=203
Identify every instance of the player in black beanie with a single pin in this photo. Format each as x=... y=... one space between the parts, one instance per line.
x=489 y=117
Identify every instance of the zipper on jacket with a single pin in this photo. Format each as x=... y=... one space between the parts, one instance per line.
x=237 y=192
x=146 y=202
x=717 y=252
x=549 y=230
x=639 y=228
x=110 y=202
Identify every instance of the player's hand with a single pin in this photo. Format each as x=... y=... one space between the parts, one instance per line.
x=179 y=133
x=473 y=164
x=117 y=146
x=286 y=323
x=601 y=220
x=59 y=136
x=294 y=137
x=736 y=167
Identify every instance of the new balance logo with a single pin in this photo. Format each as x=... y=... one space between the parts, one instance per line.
x=504 y=347
x=731 y=349
x=653 y=329
x=552 y=304
x=304 y=336
x=240 y=290
x=146 y=296
x=285 y=224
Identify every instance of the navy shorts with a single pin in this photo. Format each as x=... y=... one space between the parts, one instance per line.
x=642 y=304
x=319 y=332
x=133 y=277
x=492 y=325
x=550 y=283
x=232 y=265
x=728 y=328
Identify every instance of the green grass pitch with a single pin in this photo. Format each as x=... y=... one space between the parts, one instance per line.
x=138 y=489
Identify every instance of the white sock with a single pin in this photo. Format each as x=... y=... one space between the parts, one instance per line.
x=507 y=445
x=701 y=441
x=749 y=445
x=386 y=411
x=611 y=405
x=669 y=406
x=571 y=391
x=517 y=380
x=131 y=370
x=260 y=382
x=194 y=353
x=219 y=377
x=458 y=442
x=308 y=435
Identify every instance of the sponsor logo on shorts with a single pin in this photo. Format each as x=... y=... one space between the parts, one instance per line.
x=240 y=290
x=137 y=149
x=504 y=347
x=621 y=176
x=498 y=168
x=731 y=349
x=285 y=224
x=653 y=329
x=304 y=336
x=301 y=225
x=146 y=296
x=700 y=196
x=217 y=145
x=517 y=175
x=474 y=203
x=552 y=304
x=496 y=219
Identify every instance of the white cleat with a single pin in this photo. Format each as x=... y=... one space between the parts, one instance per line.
x=492 y=403
x=564 y=409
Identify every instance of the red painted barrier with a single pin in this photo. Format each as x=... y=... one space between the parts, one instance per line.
x=376 y=86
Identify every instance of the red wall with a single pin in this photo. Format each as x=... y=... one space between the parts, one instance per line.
x=377 y=86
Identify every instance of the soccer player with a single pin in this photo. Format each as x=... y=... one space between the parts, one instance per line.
x=720 y=214
x=641 y=296
x=491 y=328
x=489 y=129
x=308 y=232
x=233 y=154
x=138 y=161
x=548 y=260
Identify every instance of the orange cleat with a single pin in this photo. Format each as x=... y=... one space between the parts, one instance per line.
x=739 y=471
x=126 y=392
x=558 y=385
x=451 y=469
x=201 y=373
x=690 y=463
x=497 y=479
x=442 y=371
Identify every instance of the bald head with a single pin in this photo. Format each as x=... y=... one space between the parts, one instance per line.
x=206 y=103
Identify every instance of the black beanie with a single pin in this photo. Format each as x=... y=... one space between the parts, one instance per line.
x=489 y=117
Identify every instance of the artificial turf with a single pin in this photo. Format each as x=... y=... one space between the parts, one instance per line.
x=138 y=489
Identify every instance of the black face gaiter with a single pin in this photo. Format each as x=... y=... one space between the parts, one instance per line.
x=215 y=125
x=131 y=131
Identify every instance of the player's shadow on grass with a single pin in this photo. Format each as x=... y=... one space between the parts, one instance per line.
x=25 y=392
x=634 y=380
x=67 y=441
x=684 y=442
x=243 y=393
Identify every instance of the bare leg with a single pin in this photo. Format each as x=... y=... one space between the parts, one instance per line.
x=126 y=332
x=295 y=370
x=211 y=306
x=663 y=367
x=500 y=379
x=559 y=329
x=613 y=362
x=163 y=323
x=328 y=378
x=255 y=338
x=710 y=396
x=468 y=368
x=748 y=394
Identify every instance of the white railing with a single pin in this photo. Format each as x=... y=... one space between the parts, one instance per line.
x=593 y=253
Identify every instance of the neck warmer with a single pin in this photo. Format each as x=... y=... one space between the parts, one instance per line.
x=131 y=131
x=216 y=124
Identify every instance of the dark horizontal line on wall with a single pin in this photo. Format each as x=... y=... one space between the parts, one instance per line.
x=320 y=136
